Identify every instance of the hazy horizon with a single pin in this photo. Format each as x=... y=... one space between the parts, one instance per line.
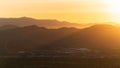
x=89 y=23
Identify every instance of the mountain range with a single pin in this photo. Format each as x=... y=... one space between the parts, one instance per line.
x=96 y=37
x=26 y=21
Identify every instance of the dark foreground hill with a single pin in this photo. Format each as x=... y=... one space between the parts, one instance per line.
x=98 y=37
x=37 y=47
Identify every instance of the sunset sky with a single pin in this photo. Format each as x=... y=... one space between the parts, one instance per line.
x=76 y=11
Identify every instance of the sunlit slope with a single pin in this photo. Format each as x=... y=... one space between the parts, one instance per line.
x=97 y=36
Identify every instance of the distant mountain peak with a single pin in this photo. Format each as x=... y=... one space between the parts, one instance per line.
x=25 y=17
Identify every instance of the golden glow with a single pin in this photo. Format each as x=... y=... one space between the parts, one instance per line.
x=113 y=7
x=81 y=11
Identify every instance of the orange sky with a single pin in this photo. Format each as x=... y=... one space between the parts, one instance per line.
x=80 y=11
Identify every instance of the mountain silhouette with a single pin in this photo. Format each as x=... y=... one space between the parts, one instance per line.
x=26 y=21
x=100 y=37
x=97 y=36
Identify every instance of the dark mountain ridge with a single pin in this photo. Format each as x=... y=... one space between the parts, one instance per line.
x=26 y=21
x=34 y=37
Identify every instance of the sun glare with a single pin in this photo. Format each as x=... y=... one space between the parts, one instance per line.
x=113 y=8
